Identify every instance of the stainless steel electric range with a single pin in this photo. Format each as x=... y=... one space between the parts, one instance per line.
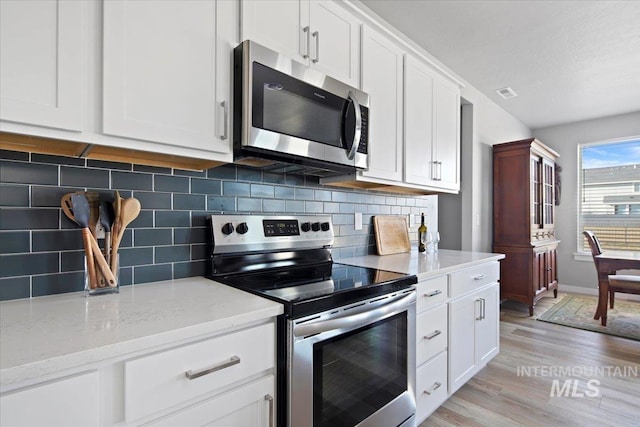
x=346 y=340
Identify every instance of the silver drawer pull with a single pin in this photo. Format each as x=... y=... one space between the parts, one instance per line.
x=480 y=277
x=433 y=293
x=192 y=375
x=433 y=388
x=433 y=334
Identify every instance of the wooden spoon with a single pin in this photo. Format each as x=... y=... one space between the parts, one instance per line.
x=81 y=213
x=106 y=220
x=117 y=207
x=130 y=209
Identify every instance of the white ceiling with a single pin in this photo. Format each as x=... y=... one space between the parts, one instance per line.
x=567 y=60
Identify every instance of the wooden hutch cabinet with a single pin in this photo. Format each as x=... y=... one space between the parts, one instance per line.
x=524 y=220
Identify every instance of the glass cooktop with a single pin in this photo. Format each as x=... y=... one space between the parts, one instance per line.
x=311 y=289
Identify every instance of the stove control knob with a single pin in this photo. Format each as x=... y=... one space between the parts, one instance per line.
x=227 y=229
x=305 y=226
x=324 y=226
x=242 y=228
x=315 y=226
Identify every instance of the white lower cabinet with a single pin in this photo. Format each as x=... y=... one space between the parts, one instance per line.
x=226 y=379
x=71 y=401
x=474 y=333
x=457 y=331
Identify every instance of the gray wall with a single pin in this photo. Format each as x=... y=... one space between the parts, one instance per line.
x=484 y=123
x=41 y=249
x=565 y=140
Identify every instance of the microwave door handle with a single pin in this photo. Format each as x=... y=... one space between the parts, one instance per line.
x=358 y=127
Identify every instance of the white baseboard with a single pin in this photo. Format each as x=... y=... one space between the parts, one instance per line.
x=594 y=291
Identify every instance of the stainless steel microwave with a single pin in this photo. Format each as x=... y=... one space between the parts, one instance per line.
x=286 y=112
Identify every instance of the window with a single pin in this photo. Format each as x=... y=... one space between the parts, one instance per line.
x=609 y=190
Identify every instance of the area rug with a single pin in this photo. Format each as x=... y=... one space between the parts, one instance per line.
x=577 y=312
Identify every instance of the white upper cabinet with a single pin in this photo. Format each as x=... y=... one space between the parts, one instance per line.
x=160 y=67
x=41 y=63
x=318 y=33
x=382 y=80
x=432 y=128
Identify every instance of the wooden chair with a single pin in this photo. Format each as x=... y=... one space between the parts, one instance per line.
x=624 y=283
x=617 y=282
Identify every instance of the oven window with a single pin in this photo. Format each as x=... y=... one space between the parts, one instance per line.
x=356 y=374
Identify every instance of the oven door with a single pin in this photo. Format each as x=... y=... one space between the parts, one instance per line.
x=355 y=365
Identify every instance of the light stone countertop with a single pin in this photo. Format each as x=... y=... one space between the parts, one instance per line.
x=423 y=265
x=46 y=335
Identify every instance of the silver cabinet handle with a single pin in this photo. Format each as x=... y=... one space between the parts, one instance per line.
x=269 y=399
x=358 y=126
x=439 y=171
x=480 y=277
x=433 y=334
x=433 y=293
x=434 y=170
x=480 y=316
x=305 y=30
x=225 y=126
x=433 y=388
x=483 y=308
x=192 y=375
x=317 y=37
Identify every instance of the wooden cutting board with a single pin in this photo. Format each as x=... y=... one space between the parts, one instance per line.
x=392 y=235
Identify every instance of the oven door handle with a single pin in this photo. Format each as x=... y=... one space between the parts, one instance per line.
x=355 y=320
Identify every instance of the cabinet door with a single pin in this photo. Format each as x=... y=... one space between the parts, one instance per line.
x=41 y=67
x=551 y=256
x=446 y=137
x=160 y=69
x=462 y=340
x=548 y=193
x=280 y=25
x=488 y=327
x=249 y=405
x=67 y=402
x=382 y=80
x=540 y=273
x=418 y=123
x=335 y=42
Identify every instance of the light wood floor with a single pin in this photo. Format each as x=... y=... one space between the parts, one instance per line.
x=497 y=396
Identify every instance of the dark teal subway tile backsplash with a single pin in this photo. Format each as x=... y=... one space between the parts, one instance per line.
x=41 y=250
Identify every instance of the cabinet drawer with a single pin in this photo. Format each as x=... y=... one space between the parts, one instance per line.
x=473 y=278
x=159 y=381
x=431 y=333
x=71 y=401
x=431 y=386
x=431 y=292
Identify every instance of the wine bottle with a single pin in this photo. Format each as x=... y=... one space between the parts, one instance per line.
x=422 y=235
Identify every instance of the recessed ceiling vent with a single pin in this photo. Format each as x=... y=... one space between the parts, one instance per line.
x=506 y=93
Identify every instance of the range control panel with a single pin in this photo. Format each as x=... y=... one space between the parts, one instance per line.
x=250 y=233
